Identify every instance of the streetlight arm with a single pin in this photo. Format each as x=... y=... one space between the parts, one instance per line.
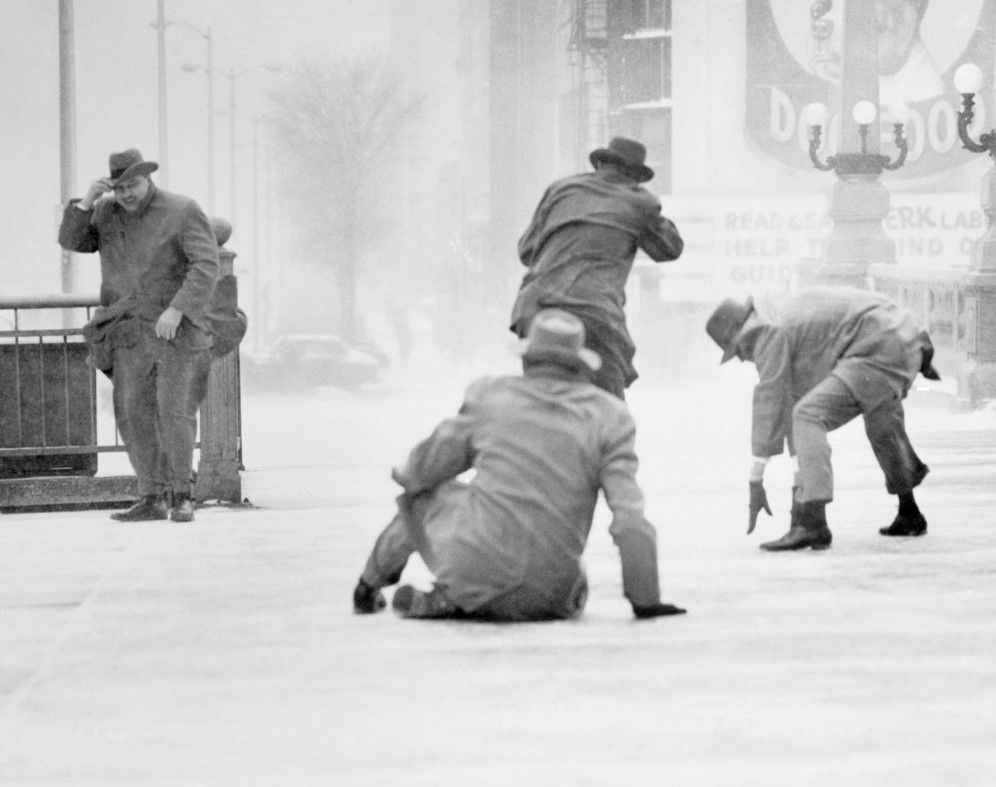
x=986 y=143
x=815 y=136
x=900 y=140
x=206 y=35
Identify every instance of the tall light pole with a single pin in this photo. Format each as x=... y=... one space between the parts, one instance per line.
x=67 y=124
x=160 y=26
x=209 y=72
x=232 y=75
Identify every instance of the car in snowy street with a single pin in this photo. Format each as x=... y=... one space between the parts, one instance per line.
x=305 y=360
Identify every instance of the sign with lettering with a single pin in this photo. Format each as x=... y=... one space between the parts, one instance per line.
x=753 y=244
x=794 y=58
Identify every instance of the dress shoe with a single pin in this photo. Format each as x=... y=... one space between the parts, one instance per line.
x=808 y=530
x=183 y=508
x=906 y=525
x=148 y=509
x=411 y=603
x=367 y=599
x=800 y=538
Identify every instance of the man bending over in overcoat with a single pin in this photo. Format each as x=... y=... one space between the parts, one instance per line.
x=507 y=545
x=825 y=355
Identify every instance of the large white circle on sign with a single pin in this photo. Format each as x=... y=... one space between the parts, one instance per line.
x=946 y=28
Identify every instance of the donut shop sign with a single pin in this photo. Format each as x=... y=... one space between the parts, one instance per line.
x=793 y=59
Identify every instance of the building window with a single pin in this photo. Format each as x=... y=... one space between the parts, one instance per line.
x=639 y=33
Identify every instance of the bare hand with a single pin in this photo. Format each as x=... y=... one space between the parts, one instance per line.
x=97 y=189
x=168 y=322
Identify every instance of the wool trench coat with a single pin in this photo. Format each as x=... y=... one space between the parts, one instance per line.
x=579 y=249
x=867 y=341
x=541 y=448
x=163 y=255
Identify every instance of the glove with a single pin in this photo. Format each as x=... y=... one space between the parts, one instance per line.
x=758 y=501
x=657 y=610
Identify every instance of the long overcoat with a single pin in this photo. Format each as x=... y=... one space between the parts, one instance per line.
x=579 y=249
x=874 y=346
x=541 y=448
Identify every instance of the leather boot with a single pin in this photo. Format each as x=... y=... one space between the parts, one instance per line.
x=148 y=509
x=808 y=530
x=183 y=507
x=906 y=525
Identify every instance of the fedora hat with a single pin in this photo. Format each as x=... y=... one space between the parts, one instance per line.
x=129 y=163
x=557 y=336
x=725 y=322
x=628 y=154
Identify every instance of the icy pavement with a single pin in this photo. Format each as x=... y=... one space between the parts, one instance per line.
x=225 y=652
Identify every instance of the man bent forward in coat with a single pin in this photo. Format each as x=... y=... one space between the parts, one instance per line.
x=825 y=355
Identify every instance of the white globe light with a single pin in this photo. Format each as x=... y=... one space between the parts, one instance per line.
x=814 y=114
x=864 y=112
x=968 y=78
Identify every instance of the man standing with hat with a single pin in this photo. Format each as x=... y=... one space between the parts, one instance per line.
x=507 y=545
x=825 y=355
x=159 y=267
x=580 y=247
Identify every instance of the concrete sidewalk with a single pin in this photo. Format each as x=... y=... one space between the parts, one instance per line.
x=225 y=652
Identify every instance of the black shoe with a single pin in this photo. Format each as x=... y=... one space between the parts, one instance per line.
x=183 y=508
x=906 y=525
x=800 y=538
x=808 y=530
x=367 y=599
x=148 y=509
x=411 y=603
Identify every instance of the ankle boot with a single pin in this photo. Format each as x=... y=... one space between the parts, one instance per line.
x=148 y=509
x=807 y=530
x=906 y=525
x=183 y=507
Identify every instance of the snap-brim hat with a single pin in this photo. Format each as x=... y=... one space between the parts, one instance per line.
x=128 y=164
x=557 y=336
x=725 y=322
x=627 y=154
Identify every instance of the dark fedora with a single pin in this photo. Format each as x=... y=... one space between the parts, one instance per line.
x=557 y=336
x=628 y=154
x=725 y=322
x=129 y=163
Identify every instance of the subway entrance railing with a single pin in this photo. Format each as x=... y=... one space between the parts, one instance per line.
x=59 y=447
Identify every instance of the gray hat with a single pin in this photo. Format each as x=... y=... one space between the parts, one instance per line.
x=557 y=336
x=627 y=154
x=129 y=163
x=725 y=322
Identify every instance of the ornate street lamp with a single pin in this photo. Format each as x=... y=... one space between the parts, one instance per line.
x=863 y=163
x=968 y=80
x=977 y=291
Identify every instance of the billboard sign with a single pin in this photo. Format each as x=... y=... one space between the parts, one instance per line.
x=794 y=59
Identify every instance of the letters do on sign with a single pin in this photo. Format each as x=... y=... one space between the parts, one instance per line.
x=794 y=59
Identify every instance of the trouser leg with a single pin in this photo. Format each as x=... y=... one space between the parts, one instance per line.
x=826 y=407
x=134 y=396
x=885 y=427
x=181 y=384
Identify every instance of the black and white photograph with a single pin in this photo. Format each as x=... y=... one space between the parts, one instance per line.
x=557 y=393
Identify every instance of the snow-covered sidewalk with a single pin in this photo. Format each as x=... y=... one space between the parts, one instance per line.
x=225 y=652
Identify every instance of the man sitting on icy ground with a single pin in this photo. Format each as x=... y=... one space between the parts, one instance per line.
x=507 y=545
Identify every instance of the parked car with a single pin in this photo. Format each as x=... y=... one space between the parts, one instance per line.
x=310 y=359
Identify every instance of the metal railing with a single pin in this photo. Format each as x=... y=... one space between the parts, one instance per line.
x=50 y=398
